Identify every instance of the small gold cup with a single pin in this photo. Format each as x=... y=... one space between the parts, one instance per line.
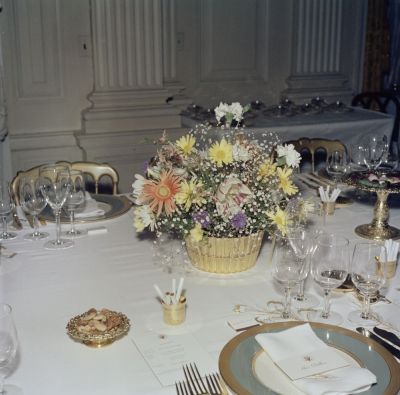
x=328 y=208
x=174 y=314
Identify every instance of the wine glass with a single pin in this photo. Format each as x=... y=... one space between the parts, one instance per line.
x=8 y=348
x=357 y=157
x=55 y=185
x=287 y=268
x=337 y=165
x=75 y=199
x=329 y=269
x=375 y=151
x=368 y=273
x=6 y=206
x=390 y=158
x=32 y=202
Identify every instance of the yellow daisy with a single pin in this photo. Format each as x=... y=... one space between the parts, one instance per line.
x=267 y=169
x=221 y=153
x=196 y=234
x=279 y=218
x=186 y=144
x=190 y=193
x=285 y=183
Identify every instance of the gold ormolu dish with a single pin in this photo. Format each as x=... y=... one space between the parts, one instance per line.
x=225 y=255
x=96 y=338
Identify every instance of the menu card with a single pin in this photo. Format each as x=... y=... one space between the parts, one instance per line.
x=166 y=355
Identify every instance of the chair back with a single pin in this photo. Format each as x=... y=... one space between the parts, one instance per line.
x=312 y=145
x=96 y=172
x=385 y=102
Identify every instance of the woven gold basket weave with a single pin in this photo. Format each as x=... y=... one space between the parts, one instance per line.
x=225 y=255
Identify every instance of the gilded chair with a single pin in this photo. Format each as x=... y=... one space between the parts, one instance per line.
x=313 y=145
x=385 y=102
x=94 y=173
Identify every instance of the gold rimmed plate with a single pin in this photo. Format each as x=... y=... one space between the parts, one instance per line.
x=94 y=337
x=241 y=360
x=112 y=205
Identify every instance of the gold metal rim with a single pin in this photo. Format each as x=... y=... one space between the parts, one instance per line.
x=226 y=353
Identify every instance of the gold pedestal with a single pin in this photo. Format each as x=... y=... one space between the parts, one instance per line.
x=379 y=229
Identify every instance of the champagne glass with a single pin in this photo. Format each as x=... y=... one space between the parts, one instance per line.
x=303 y=243
x=329 y=268
x=288 y=269
x=6 y=206
x=55 y=185
x=368 y=273
x=75 y=199
x=32 y=202
x=8 y=349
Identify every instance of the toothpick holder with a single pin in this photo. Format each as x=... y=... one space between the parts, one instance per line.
x=328 y=208
x=174 y=314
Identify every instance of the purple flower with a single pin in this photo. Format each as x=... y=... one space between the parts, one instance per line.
x=202 y=218
x=239 y=220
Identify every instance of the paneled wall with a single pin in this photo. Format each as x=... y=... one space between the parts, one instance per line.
x=92 y=79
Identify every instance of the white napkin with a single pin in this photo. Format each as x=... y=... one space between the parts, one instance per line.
x=302 y=339
x=388 y=314
x=91 y=208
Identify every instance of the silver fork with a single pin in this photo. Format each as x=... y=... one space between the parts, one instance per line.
x=194 y=379
x=215 y=384
x=182 y=388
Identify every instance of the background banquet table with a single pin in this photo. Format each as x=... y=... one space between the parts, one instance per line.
x=117 y=270
x=348 y=126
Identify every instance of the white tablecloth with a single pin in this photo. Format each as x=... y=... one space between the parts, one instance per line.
x=116 y=270
x=349 y=127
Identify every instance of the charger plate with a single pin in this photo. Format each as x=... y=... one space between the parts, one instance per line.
x=113 y=207
x=240 y=355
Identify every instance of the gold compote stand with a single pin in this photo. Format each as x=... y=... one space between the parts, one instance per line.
x=378 y=229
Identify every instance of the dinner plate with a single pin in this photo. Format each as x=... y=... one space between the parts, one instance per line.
x=113 y=207
x=242 y=362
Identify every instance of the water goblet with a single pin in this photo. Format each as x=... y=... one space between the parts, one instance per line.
x=32 y=202
x=287 y=268
x=8 y=349
x=368 y=273
x=6 y=206
x=75 y=199
x=329 y=268
x=55 y=185
x=376 y=148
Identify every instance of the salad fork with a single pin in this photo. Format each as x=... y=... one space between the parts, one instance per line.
x=194 y=379
x=216 y=385
x=182 y=388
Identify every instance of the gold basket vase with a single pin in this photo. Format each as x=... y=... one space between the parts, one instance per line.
x=225 y=255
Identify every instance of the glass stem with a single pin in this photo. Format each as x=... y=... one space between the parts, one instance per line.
x=325 y=312
x=300 y=292
x=57 y=214
x=36 y=231
x=286 y=304
x=72 y=220
x=2 y=379
x=365 y=308
x=4 y=220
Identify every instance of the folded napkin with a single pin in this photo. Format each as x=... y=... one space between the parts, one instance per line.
x=90 y=209
x=388 y=314
x=301 y=340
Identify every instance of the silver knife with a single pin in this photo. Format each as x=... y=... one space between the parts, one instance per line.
x=387 y=335
x=393 y=350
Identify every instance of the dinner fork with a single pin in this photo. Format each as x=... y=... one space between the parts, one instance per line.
x=215 y=384
x=194 y=379
x=182 y=388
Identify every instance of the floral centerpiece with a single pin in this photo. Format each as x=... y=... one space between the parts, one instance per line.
x=207 y=186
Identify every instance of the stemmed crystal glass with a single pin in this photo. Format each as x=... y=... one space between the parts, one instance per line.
x=376 y=148
x=337 y=165
x=8 y=348
x=329 y=268
x=288 y=269
x=55 y=185
x=368 y=273
x=32 y=202
x=6 y=206
x=75 y=199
